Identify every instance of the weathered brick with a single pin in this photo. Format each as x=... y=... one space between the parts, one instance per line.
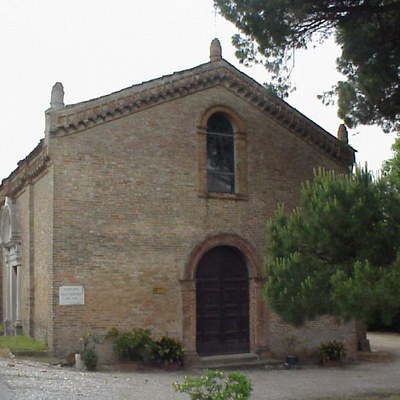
x=120 y=209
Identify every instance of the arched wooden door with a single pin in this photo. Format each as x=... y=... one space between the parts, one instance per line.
x=222 y=303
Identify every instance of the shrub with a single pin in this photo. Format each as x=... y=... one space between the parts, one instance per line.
x=136 y=345
x=168 y=351
x=214 y=385
x=89 y=358
x=88 y=354
x=122 y=345
x=112 y=333
x=332 y=350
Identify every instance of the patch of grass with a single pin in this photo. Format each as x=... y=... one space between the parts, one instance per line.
x=21 y=343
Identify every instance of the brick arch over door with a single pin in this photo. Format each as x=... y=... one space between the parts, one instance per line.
x=258 y=312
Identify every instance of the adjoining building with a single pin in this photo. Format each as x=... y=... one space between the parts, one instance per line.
x=146 y=208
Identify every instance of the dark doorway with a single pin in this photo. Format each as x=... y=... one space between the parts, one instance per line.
x=222 y=303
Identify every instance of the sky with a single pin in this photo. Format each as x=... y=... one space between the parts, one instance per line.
x=95 y=47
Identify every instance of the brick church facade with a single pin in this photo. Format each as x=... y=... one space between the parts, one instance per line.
x=146 y=208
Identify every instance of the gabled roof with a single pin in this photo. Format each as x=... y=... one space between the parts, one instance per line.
x=63 y=120
x=81 y=116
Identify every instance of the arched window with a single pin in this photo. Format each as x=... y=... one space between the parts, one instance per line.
x=220 y=154
x=9 y=227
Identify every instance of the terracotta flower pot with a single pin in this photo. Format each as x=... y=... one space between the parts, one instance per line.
x=331 y=363
x=126 y=365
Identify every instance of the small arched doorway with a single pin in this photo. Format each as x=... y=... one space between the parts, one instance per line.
x=222 y=303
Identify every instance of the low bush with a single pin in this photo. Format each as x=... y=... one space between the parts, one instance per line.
x=88 y=354
x=90 y=359
x=138 y=345
x=333 y=350
x=216 y=386
x=168 y=351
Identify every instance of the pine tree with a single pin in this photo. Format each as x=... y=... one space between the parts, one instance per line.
x=338 y=253
x=368 y=33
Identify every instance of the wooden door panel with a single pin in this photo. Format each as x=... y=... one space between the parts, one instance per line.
x=222 y=303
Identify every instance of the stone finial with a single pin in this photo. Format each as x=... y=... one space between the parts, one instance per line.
x=342 y=134
x=215 y=50
x=57 y=96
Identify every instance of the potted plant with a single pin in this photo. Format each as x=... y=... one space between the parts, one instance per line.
x=132 y=348
x=169 y=353
x=331 y=353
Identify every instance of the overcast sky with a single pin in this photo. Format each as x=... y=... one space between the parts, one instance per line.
x=95 y=47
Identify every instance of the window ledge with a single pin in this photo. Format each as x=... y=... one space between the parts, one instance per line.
x=226 y=196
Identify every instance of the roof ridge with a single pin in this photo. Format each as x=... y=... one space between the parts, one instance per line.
x=85 y=115
x=134 y=86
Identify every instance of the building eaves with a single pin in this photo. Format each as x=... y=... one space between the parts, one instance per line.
x=27 y=170
x=81 y=116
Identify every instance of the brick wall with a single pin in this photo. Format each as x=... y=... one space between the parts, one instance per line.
x=23 y=213
x=34 y=211
x=127 y=213
x=42 y=257
x=308 y=337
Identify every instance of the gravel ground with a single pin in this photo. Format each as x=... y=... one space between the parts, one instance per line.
x=34 y=380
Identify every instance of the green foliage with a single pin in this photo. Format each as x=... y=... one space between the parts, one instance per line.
x=214 y=385
x=89 y=340
x=391 y=168
x=168 y=351
x=88 y=354
x=21 y=343
x=338 y=253
x=367 y=32
x=90 y=359
x=375 y=288
x=112 y=333
x=138 y=345
x=332 y=350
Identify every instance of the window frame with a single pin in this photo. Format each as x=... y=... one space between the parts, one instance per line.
x=220 y=164
x=239 y=155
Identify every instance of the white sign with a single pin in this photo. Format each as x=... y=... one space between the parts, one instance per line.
x=71 y=295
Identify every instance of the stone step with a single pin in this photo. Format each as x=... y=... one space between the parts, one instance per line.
x=236 y=361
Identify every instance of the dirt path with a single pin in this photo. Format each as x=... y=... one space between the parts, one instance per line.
x=389 y=342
